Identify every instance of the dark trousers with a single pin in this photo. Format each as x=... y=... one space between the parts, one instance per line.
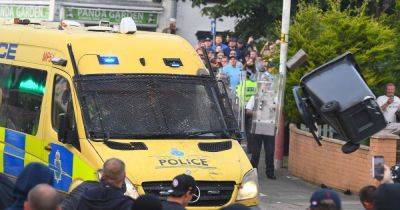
x=248 y=134
x=269 y=148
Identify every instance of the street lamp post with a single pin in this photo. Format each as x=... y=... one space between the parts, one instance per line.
x=282 y=82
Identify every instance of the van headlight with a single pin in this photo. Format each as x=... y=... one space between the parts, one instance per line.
x=131 y=190
x=249 y=187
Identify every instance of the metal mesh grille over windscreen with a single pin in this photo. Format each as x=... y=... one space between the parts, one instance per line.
x=128 y=106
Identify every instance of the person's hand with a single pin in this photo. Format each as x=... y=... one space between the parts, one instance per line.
x=250 y=40
x=387 y=175
x=390 y=100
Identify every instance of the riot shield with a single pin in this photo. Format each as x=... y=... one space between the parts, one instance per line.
x=241 y=103
x=265 y=107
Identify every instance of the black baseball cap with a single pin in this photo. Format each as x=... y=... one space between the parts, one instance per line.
x=182 y=184
x=325 y=196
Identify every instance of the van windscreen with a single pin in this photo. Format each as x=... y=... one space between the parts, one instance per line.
x=151 y=106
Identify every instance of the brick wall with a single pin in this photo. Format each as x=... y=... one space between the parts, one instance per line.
x=328 y=165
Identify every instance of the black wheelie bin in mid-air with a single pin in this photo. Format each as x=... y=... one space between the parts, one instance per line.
x=336 y=94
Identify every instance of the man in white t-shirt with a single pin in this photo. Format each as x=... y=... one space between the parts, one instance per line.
x=389 y=103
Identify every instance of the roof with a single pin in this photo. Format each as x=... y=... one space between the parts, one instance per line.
x=34 y=41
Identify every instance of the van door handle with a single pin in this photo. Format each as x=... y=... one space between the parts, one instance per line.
x=48 y=147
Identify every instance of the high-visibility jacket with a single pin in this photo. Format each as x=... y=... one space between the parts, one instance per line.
x=249 y=90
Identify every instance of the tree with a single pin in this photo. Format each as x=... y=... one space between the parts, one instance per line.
x=256 y=17
x=327 y=34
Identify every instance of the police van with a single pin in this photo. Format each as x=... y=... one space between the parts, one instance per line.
x=72 y=97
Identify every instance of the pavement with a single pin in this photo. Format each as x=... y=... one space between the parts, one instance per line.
x=291 y=193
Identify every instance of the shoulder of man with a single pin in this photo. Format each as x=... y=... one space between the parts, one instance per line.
x=171 y=206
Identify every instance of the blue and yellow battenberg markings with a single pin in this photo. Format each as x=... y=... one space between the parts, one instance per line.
x=18 y=149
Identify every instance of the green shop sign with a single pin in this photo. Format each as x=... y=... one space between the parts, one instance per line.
x=113 y=16
x=24 y=12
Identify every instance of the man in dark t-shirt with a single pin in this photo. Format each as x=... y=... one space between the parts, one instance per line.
x=182 y=192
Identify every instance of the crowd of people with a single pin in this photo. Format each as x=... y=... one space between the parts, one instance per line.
x=241 y=65
x=33 y=191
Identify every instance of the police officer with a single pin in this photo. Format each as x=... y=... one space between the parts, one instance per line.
x=258 y=141
x=245 y=90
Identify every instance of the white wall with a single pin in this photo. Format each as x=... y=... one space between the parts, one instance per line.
x=189 y=21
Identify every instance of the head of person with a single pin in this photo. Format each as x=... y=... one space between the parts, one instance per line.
x=250 y=65
x=200 y=53
x=240 y=43
x=210 y=55
x=207 y=42
x=250 y=62
x=367 y=196
x=228 y=38
x=236 y=206
x=224 y=61
x=218 y=49
x=387 y=197
x=232 y=53
x=232 y=60
x=113 y=173
x=253 y=54
x=147 y=202
x=220 y=55
x=325 y=199
x=390 y=89
x=202 y=43
x=172 y=23
x=232 y=43
x=218 y=39
x=32 y=175
x=42 y=197
x=182 y=190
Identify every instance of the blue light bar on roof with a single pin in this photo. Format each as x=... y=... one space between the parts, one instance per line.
x=108 y=60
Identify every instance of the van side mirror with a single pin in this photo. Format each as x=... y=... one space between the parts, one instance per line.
x=64 y=129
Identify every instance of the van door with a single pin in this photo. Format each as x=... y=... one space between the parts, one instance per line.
x=23 y=92
x=65 y=159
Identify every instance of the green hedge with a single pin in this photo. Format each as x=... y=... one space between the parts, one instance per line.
x=327 y=34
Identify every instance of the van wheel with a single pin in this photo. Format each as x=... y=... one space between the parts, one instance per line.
x=331 y=106
x=72 y=199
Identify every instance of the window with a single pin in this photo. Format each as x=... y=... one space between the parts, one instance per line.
x=62 y=104
x=5 y=82
x=22 y=92
x=62 y=101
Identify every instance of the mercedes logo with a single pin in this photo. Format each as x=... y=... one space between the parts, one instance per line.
x=196 y=195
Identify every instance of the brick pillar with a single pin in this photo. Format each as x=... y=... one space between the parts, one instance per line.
x=385 y=144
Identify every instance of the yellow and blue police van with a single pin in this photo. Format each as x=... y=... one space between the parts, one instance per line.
x=73 y=97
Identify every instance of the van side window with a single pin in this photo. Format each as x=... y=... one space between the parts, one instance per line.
x=62 y=104
x=24 y=99
x=5 y=83
x=62 y=101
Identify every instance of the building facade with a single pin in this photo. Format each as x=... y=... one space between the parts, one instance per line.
x=149 y=15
